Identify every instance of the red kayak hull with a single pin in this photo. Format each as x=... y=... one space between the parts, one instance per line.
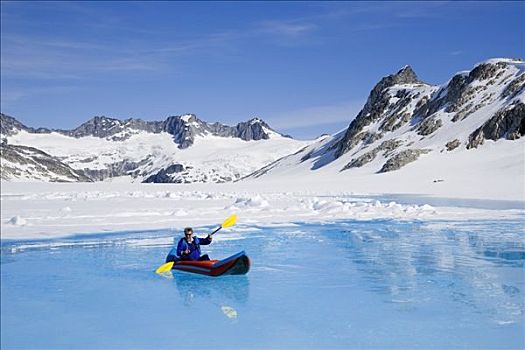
x=238 y=264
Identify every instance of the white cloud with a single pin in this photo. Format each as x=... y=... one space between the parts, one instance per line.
x=316 y=115
x=287 y=29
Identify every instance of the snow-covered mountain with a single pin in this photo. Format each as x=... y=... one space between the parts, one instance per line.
x=180 y=149
x=467 y=130
x=405 y=119
x=23 y=161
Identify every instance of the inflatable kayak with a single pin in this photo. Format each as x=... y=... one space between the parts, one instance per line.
x=238 y=264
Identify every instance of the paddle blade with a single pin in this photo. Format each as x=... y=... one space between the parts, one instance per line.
x=229 y=221
x=165 y=268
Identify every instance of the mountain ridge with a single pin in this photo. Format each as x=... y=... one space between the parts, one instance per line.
x=184 y=128
x=405 y=118
x=180 y=149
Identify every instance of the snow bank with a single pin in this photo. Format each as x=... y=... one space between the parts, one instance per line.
x=255 y=202
x=44 y=210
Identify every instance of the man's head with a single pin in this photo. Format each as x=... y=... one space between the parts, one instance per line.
x=188 y=232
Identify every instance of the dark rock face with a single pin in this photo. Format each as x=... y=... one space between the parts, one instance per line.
x=183 y=128
x=306 y=156
x=32 y=163
x=386 y=147
x=390 y=145
x=464 y=94
x=428 y=126
x=122 y=168
x=485 y=71
x=453 y=145
x=105 y=127
x=362 y=160
x=163 y=176
x=458 y=92
x=515 y=87
x=10 y=126
x=507 y=123
x=253 y=129
x=397 y=112
x=401 y=159
x=374 y=108
x=184 y=133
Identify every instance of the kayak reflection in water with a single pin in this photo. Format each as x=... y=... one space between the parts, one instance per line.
x=188 y=248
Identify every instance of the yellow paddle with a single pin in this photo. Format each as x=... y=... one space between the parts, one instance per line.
x=165 y=268
x=227 y=223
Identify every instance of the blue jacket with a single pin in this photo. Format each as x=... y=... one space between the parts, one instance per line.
x=194 y=247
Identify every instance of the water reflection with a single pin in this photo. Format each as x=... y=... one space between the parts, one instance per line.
x=226 y=289
x=478 y=266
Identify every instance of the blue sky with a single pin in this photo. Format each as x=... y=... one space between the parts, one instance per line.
x=304 y=67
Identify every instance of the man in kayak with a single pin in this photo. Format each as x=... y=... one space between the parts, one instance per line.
x=189 y=248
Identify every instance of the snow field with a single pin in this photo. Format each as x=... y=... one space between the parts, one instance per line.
x=44 y=210
x=210 y=158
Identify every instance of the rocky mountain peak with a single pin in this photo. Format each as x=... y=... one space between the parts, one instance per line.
x=256 y=120
x=9 y=125
x=405 y=75
x=102 y=120
x=184 y=128
x=393 y=104
x=253 y=129
x=375 y=107
x=107 y=127
x=188 y=118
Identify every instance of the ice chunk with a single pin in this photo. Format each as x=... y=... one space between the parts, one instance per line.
x=427 y=207
x=17 y=220
x=180 y=212
x=254 y=202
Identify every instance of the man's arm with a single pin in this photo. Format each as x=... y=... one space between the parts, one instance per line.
x=205 y=241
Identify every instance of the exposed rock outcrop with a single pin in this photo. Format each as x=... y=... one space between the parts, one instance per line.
x=422 y=118
x=515 y=87
x=508 y=123
x=452 y=145
x=105 y=127
x=122 y=168
x=362 y=160
x=10 y=126
x=253 y=129
x=459 y=92
x=429 y=126
x=375 y=106
x=386 y=147
x=401 y=159
x=183 y=128
x=29 y=163
x=164 y=175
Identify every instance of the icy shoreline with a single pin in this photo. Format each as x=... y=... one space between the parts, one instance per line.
x=52 y=210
